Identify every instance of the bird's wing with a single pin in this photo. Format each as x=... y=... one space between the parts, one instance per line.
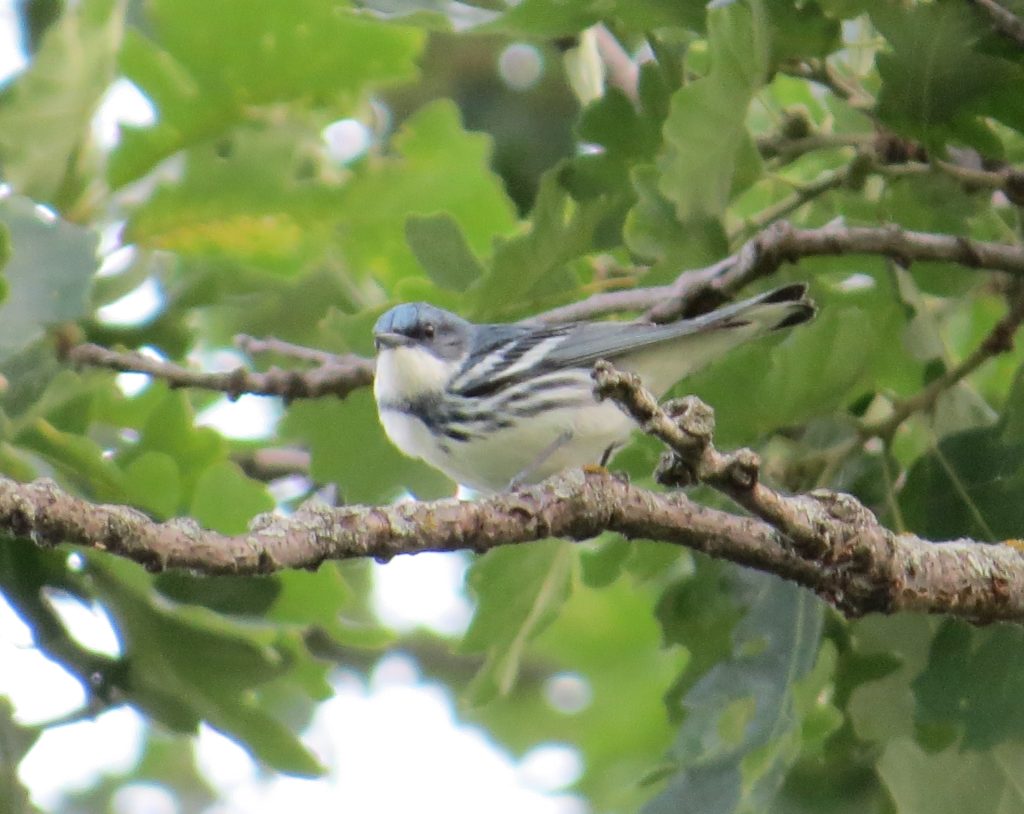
x=513 y=353
x=589 y=342
x=501 y=355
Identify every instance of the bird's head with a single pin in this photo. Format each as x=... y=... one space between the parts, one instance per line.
x=419 y=348
x=425 y=327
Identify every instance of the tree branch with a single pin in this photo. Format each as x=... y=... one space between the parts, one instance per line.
x=825 y=541
x=1003 y=20
x=254 y=345
x=889 y=155
x=802 y=194
x=693 y=291
x=1009 y=180
x=623 y=72
x=999 y=340
x=821 y=72
x=782 y=243
x=786 y=147
x=271 y=463
x=338 y=376
x=687 y=427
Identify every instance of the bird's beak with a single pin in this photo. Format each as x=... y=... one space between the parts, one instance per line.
x=387 y=340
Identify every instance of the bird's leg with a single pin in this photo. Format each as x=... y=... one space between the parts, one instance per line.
x=602 y=467
x=536 y=464
x=607 y=455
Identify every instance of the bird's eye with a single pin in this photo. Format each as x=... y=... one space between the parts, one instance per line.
x=428 y=330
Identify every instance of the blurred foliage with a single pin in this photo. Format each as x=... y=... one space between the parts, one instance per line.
x=298 y=167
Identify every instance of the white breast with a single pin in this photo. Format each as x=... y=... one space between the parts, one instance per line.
x=410 y=435
x=406 y=373
x=491 y=459
x=490 y=463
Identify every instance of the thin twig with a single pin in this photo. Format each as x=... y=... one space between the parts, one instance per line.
x=777 y=245
x=887 y=155
x=802 y=194
x=1003 y=20
x=255 y=346
x=337 y=378
x=623 y=73
x=694 y=290
x=687 y=427
x=820 y=71
x=998 y=341
x=267 y=464
x=1008 y=180
x=787 y=149
x=781 y=243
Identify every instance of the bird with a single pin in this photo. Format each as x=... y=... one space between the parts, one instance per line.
x=494 y=406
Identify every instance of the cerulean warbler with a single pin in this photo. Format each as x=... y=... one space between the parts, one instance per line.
x=493 y=405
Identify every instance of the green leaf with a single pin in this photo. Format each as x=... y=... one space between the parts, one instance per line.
x=5 y=253
x=226 y=499
x=973 y=684
x=741 y=732
x=613 y=122
x=204 y=78
x=933 y=203
x=235 y=595
x=77 y=457
x=350 y=450
x=316 y=598
x=15 y=743
x=305 y=47
x=653 y=231
x=605 y=643
x=801 y=31
x=168 y=428
x=953 y=781
x=967 y=485
x=519 y=591
x=186 y=665
x=435 y=165
x=45 y=120
x=47 y=277
x=626 y=136
x=1013 y=412
x=705 y=133
x=532 y=266
x=441 y=248
x=890 y=652
x=936 y=81
x=29 y=375
x=700 y=613
x=815 y=709
x=296 y=598
x=604 y=564
x=152 y=483
x=255 y=197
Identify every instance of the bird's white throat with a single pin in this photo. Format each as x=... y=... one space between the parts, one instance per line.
x=407 y=373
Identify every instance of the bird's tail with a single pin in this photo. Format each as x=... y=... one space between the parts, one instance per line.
x=779 y=308
x=684 y=347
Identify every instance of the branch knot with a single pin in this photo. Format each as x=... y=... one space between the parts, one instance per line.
x=692 y=416
x=743 y=468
